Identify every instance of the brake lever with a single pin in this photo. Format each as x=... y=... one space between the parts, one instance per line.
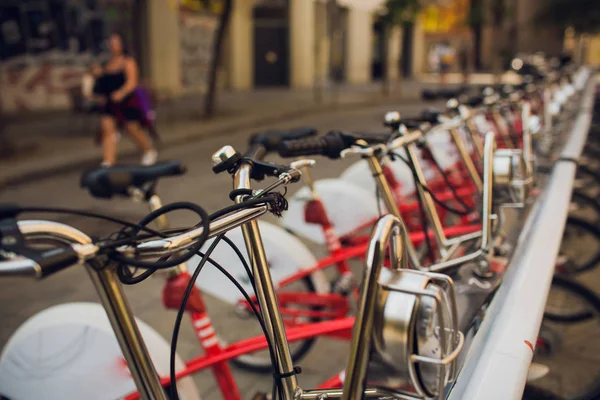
x=369 y=151
x=302 y=163
x=261 y=169
x=290 y=176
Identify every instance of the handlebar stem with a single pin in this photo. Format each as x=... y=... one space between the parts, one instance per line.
x=265 y=291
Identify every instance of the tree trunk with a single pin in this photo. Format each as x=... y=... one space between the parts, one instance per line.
x=210 y=101
x=477 y=33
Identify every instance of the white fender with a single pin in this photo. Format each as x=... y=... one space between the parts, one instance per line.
x=482 y=124
x=534 y=124
x=348 y=207
x=443 y=148
x=285 y=253
x=69 y=351
x=360 y=175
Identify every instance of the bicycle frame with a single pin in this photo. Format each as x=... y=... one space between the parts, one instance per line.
x=115 y=304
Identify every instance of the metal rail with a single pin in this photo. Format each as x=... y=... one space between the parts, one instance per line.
x=497 y=363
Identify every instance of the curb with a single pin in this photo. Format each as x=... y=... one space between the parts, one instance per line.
x=251 y=122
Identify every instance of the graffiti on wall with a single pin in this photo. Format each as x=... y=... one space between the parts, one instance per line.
x=43 y=87
x=197 y=33
x=46 y=45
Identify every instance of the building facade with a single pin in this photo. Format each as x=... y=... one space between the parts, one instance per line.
x=46 y=45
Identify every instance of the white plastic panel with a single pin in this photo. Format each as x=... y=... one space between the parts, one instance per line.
x=348 y=206
x=286 y=255
x=69 y=352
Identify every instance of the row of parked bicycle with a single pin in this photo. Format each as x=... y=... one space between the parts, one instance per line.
x=422 y=215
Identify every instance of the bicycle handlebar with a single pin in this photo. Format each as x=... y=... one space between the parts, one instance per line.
x=182 y=241
x=331 y=145
x=20 y=267
x=268 y=142
x=42 y=263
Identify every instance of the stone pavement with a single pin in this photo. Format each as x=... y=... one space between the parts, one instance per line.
x=58 y=142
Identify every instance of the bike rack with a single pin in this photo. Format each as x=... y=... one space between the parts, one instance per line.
x=499 y=356
x=388 y=231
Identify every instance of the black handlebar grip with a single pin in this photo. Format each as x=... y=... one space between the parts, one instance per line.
x=271 y=140
x=330 y=145
x=179 y=168
x=474 y=101
x=303 y=147
x=55 y=260
x=299 y=133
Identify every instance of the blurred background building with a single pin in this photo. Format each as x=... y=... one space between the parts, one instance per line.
x=46 y=45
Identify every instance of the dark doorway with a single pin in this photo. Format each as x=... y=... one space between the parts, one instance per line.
x=271 y=44
x=379 y=52
x=407 y=50
x=140 y=34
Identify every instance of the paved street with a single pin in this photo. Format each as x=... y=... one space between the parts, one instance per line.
x=22 y=298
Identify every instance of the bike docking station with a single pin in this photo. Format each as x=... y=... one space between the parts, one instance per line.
x=464 y=233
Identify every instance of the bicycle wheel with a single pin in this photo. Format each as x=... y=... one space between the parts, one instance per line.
x=259 y=361
x=570 y=350
x=231 y=315
x=587 y=181
x=535 y=393
x=558 y=306
x=580 y=247
x=584 y=207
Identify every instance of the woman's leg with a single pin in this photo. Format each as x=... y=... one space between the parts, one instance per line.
x=109 y=140
x=143 y=141
x=139 y=136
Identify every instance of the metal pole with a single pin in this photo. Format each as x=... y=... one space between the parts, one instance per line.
x=434 y=218
x=488 y=177
x=386 y=229
x=128 y=335
x=265 y=292
x=468 y=161
x=476 y=138
x=390 y=204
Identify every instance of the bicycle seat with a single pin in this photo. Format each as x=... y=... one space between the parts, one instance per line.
x=107 y=182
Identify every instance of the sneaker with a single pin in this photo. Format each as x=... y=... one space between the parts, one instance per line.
x=149 y=157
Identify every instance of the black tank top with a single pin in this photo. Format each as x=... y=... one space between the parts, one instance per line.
x=109 y=83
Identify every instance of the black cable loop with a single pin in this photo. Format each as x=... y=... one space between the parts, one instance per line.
x=239 y=192
x=193 y=278
x=172 y=261
x=433 y=196
x=424 y=222
x=447 y=181
x=296 y=371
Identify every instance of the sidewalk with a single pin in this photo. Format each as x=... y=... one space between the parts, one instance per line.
x=58 y=142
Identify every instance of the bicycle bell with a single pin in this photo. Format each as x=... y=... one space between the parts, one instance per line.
x=415 y=333
x=392 y=119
